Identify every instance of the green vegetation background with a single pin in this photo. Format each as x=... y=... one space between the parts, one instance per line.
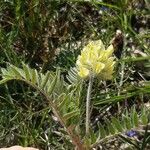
x=47 y=34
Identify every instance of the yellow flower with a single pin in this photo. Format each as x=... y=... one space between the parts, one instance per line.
x=83 y=72
x=95 y=60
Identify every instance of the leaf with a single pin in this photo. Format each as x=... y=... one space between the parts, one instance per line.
x=44 y=79
x=123 y=122
x=61 y=100
x=27 y=71
x=53 y=83
x=144 y=116
x=116 y=124
x=35 y=77
x=72 y=76
x=93 y=137
x=16 y=71
x=134 y=117
x=144 y=119
x=4 y=71
x=114 y=99
x=128 y=122
x=102 y=131
x=71 y=114
x=111 y=128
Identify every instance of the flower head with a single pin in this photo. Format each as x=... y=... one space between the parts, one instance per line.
x=131 y=133
x=95 y=60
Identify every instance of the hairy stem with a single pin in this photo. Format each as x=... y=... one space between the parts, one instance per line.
x=88 y=99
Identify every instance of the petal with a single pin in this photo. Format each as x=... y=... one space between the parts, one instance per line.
x=78 y=62
x=109 y=50
x=98 y=67
x=99 y=45
x=83 y=72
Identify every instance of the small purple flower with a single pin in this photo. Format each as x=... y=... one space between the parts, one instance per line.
x=131 y=133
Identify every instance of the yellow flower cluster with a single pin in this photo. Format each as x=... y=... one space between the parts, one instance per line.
x=95 y=60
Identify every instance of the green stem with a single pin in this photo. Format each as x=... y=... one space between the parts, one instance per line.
x=88 y=99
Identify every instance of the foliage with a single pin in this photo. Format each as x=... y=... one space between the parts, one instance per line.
x=66 y=109
x=48 y=35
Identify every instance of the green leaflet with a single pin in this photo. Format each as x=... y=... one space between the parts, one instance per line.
x=35 y=77
x=61 y=100
x=102 y=132
x=134 y=117
x=27 y=71
x=73 y=76
x=4 y=71
x=16 y=71
x=116 y=124
x=111 y=128
x=128 y=122
x=53 y=82
x=44 y=79
x=71 y=114
x=144 y=119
